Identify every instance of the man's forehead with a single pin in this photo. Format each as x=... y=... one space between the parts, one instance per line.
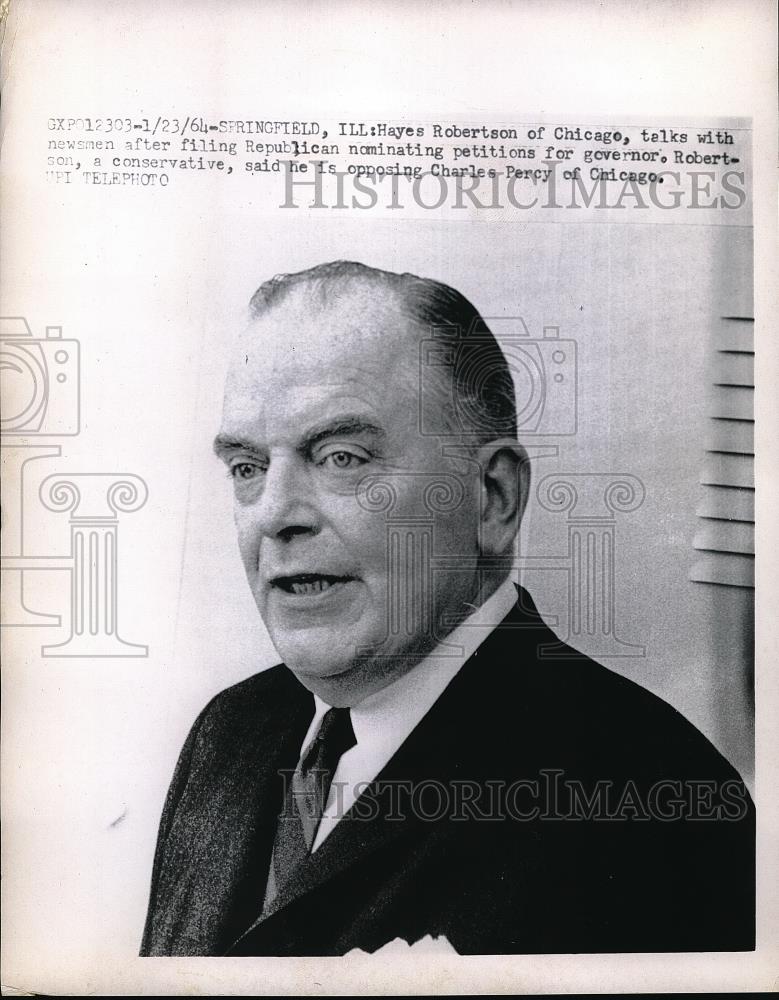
x=357 y=324
x=303 y=361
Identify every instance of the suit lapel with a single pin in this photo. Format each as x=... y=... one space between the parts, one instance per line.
x=211 y=894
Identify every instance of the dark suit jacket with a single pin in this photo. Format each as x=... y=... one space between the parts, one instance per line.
x=532 y=810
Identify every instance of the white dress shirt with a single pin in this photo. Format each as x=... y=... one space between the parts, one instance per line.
x=384 y=719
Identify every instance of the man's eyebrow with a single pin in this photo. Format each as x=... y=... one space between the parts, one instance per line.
x=224 y=443
x=340 y=425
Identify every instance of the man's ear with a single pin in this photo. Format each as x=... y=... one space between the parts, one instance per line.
x=505 y=486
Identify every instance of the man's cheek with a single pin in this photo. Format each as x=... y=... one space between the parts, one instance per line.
x=365 y=536
x=457 y=535
x=248 y=545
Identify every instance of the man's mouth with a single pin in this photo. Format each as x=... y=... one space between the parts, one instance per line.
x=308 y=583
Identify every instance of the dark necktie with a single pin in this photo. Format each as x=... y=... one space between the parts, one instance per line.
x=307 y=797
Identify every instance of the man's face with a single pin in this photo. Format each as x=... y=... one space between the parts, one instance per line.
x=317 y=400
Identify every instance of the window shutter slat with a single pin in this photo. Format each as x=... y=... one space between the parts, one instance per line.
x=726 y=569
x=737 y=436
x=719 y=502
x=728 y=470
x=725 y=536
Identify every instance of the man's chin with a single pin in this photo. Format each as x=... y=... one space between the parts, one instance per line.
x=319 y=654
x=344 y=682
x=336 y=682
x=320 y=671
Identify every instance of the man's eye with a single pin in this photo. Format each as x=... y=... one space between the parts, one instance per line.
x=343 y=460
x=244 y=470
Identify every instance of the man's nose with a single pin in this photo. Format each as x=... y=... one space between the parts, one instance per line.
x=285 y=507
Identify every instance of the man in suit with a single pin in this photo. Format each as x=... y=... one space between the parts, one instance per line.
x=417 y=765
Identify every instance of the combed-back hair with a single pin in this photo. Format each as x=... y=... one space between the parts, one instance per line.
x=479 y=398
